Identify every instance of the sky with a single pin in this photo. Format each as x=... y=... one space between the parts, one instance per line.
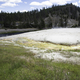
x=28 y=5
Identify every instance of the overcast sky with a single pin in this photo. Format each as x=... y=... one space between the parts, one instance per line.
x=28 y=5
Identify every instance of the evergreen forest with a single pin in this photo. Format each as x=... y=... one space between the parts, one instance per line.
x=36 y=18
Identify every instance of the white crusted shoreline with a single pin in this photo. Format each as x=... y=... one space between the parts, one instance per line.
x=68 y=36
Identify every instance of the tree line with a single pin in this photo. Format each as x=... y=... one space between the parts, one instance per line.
x=35 y=18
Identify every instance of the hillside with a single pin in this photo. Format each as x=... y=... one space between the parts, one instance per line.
x=54 y=21
x=56 y=16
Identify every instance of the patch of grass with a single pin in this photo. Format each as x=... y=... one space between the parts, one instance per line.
x=49 y=51
x=16 y=31
x=13 y=67
x=75 y=50
x=11 y=32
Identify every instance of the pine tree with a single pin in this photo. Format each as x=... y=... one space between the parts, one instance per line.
x=65 y=20
x=61 y=22
x=79 y=21
x=42 y=24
